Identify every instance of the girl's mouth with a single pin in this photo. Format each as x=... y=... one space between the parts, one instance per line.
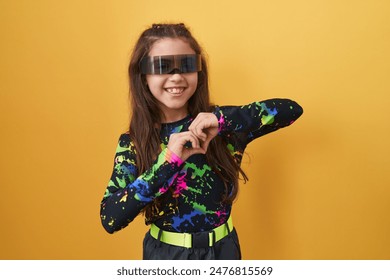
x=175 y=90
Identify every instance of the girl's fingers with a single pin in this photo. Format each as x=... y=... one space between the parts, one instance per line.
x=177 y=144
x=198 y=131
x=203 y=122
x=194 y=140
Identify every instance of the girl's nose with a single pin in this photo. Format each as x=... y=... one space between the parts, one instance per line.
x=176 y=77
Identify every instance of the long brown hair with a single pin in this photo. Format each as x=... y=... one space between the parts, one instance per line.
x=146 y=114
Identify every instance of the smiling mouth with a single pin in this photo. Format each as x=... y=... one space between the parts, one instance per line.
x=175 y=90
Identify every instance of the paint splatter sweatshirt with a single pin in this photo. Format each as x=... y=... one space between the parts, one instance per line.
x=192 y=190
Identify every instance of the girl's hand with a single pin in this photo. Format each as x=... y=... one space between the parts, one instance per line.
x=205 y=128
x=177 y=142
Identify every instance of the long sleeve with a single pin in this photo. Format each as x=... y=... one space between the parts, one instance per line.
x=258 y=118
x=127 y=194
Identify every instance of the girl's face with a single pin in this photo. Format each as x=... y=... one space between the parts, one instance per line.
x=172 y=91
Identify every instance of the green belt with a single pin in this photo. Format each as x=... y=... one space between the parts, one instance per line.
x=186 y=239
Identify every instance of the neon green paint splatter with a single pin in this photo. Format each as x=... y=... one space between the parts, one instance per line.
x=267 y=119
x=121 y=182
x=199 y=191
x=197 y=171
x=230 y=148
x=160 y=160
x=201 y=208
x=120 y=149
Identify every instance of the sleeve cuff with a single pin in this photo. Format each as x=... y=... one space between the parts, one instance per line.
x=221 y=121
x=171 y=157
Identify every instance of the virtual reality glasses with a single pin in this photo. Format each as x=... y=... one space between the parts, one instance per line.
x=170 y=64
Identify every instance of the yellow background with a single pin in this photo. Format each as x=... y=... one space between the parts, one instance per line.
x=319 y=189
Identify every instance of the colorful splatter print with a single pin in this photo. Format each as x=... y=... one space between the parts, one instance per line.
x=195 y=203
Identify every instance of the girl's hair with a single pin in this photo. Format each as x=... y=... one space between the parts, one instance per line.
x=146 y=115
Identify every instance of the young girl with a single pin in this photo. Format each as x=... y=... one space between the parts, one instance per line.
x=179 y=164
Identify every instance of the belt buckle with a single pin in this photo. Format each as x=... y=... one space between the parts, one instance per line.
x=202 y=239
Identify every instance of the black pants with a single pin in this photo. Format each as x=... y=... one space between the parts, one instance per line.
x=228 y=248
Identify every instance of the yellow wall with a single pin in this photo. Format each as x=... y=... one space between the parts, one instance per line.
x=318 y=190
